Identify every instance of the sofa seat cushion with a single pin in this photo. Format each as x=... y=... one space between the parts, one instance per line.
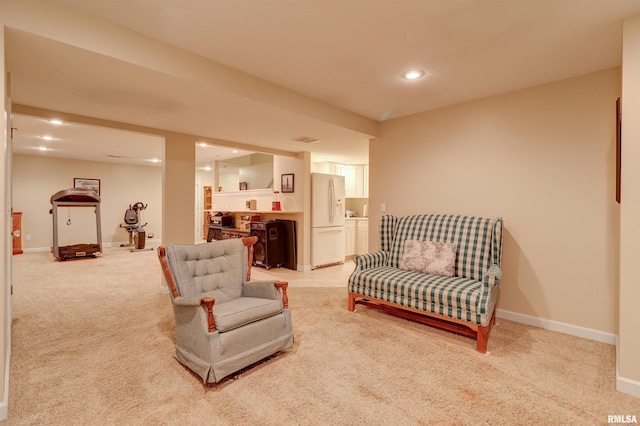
x=244 y=310
x=432 y=293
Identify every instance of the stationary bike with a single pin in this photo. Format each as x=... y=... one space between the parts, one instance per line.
x=132 y=220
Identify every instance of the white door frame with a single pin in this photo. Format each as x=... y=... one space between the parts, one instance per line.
x=8 y=244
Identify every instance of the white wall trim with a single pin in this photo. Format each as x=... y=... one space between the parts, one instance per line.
x=574 y=330
x=104 y=245
x=36 y=250
x=628 y=386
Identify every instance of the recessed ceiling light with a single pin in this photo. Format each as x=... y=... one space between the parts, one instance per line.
x=413 y=74
x=43 y=148
x=155 y=160
x=56 y=122
x=47 y=137
x=235 y=151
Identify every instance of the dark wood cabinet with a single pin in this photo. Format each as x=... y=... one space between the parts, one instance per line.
x=17 y=233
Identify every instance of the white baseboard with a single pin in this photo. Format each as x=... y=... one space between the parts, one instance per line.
x=4 y=411
x=147 y=242
x=36 y=249
x=628 y=386
x=573 y=330
x=104 y=245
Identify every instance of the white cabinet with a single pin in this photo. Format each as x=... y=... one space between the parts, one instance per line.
x=362 y=236
x=324 y=167
x=358 y=178
x=355 y=181
x=365 y=181
x=350 y=237
x=356 y=236
x=351 y=183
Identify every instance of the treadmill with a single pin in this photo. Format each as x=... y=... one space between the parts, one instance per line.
x=75 y=197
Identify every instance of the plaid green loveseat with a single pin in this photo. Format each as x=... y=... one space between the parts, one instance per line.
x=464 y=303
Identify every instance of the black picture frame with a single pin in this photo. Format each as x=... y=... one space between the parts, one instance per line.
x=287 y=182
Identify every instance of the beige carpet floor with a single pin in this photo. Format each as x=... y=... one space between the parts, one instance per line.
x=93 y=339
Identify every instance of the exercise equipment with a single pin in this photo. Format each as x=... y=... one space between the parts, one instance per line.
x=75 y=197
x=132 y=224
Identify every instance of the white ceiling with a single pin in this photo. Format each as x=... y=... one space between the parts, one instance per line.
x=347 y=53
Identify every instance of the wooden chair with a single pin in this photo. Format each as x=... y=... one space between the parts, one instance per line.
x=224 y=322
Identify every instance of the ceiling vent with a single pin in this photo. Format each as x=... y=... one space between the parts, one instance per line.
x=306 y=139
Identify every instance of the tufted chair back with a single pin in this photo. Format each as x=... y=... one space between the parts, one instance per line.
x=216 y=269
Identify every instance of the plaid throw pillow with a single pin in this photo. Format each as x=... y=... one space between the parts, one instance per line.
x=429 y=257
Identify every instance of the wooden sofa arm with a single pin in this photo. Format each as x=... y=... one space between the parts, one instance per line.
x=207 y=303
x=282 y=285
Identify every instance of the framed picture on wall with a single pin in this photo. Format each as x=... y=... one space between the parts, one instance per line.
x=244 y=186
x=286 y=183
x=86 y=183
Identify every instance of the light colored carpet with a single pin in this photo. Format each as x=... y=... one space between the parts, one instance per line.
x=93 y=342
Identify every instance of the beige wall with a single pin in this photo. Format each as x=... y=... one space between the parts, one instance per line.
x=36 y=179
x=178 y=195
x=629 y=339
x=543 y=159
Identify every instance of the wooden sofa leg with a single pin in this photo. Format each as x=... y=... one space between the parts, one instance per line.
x=483 y=336
x=483 y=333
x=352 y=302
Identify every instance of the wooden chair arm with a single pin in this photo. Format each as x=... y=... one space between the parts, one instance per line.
x=250 y=241
x=162 y=256
x=207 y=303
x=282 y=285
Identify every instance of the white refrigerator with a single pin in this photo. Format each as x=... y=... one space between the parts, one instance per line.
x=327 y=219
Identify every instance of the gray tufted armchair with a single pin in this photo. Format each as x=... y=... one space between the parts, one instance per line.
x=223 y=322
